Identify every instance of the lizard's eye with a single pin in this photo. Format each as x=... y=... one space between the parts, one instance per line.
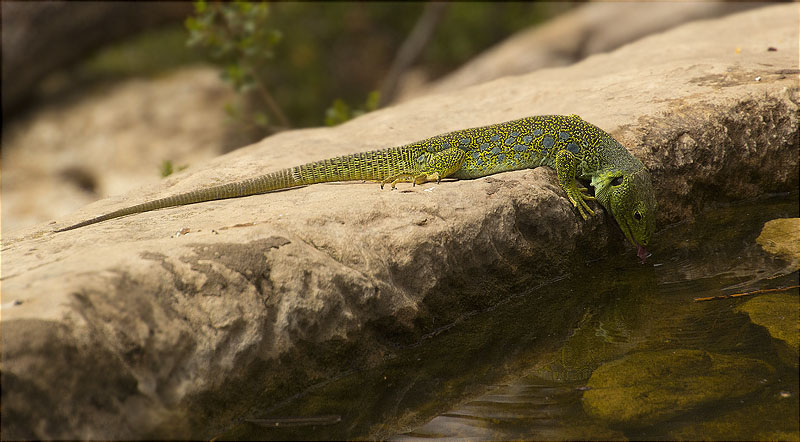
x=637 y=215
x=617 y=181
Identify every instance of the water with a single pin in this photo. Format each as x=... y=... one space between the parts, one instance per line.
x=624 y=353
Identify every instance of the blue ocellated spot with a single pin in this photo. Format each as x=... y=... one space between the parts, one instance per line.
x=515 y=134
x=430 y=148
x=510 y=140
x=517 y=157
x=485 y=147
x=465 y=141
x=501 y=158
x=496 y=150
x=563 y=135
x=548 y=142
x=479 y=161
x=445 y=145
x=574 y=148
x=495 y=137
x=527 y=139
x=421 y=159
x=537 y=132
x=520 y=147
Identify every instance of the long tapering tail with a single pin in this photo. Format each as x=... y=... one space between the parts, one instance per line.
x=374 y=165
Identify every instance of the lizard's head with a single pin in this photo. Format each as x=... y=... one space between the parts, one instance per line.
x=630 y=198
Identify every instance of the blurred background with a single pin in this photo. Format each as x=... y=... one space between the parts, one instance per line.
x=99 y=98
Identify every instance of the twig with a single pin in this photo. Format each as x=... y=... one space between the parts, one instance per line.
x=271 y=103
x=737 y=295
x=411 y=49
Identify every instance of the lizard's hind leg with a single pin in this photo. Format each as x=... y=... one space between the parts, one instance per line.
x=438 y=165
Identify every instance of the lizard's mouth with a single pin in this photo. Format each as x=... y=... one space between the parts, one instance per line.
x=641 y=252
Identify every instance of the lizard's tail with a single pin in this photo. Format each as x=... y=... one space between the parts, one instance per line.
x=374 y=165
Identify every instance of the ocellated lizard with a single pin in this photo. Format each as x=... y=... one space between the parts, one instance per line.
x=568 y=144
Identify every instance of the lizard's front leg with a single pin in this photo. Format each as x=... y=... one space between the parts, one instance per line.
x=438 y=165
x=566 y=169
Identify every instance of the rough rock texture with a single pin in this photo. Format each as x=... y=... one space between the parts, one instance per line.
x=109 y=142
x=647 y=387
x=589 y=29
x=125 y=330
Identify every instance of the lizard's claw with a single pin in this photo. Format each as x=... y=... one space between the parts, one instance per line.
x=578 y=198
x=414 y=179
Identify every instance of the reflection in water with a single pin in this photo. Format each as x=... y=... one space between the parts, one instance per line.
x=529 y=408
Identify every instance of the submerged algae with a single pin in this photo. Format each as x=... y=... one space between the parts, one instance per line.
x=650 y=386
x=778 y=314
x=782 y=237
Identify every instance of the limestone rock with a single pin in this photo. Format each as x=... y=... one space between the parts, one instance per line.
x=782 y=237
x=126 y=330
x=109 y=142
x=647 y=387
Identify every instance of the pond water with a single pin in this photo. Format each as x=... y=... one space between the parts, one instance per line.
x=624 y=352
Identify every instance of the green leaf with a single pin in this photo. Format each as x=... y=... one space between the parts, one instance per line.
x=166 y=168
x=191 y=24
x=261 y=119
x=200 y=7
x=372 y=101
x=231 y=110
x=338 y=113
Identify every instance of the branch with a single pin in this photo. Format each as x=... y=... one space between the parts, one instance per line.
x=271 y=103
x=412 y=48
x=737 y=295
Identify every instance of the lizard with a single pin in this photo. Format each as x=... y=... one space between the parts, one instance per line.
x=574 y=148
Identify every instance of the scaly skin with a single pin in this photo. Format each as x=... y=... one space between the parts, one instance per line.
x=571 y=146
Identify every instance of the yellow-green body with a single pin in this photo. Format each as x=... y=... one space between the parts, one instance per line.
x=568 y=144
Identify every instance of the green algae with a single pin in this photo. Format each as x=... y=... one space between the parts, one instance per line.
x=746 y=423
x=781 y=237
x=649 y=386
x=778 y=314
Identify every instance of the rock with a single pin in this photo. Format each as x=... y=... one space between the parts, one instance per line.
x=32 y=51
x=126 y=330
x=647 y=387
x=109 y=142
x=778 y=314
x=782 y=237
x=569 y=38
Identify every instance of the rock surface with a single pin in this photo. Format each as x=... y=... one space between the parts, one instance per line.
x=109 y=142
x=647 y=387
x=126 y=330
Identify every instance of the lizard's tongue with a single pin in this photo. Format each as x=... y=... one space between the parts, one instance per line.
x=641 y=253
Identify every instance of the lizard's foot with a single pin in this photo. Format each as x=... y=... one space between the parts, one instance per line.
x=399 y=178
x=411 y=178
x=578 y=197
x=427 y=178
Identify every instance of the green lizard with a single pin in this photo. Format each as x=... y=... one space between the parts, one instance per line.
x=568 y=144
